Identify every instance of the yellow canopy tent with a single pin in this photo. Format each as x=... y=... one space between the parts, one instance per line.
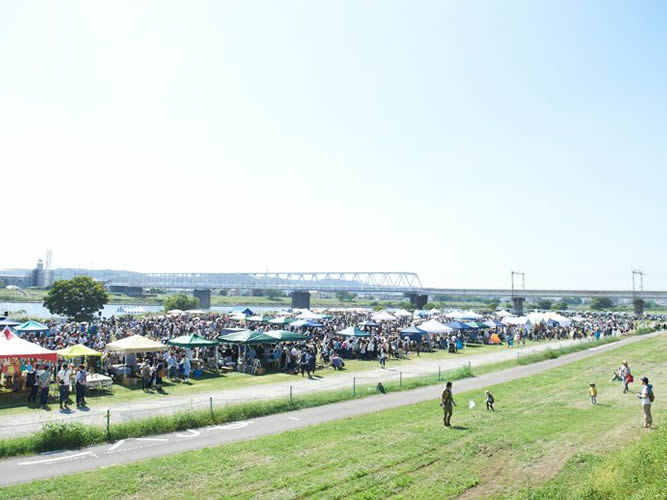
x=76 y=351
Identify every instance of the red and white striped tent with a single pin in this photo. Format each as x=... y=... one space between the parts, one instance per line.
x=12 y=346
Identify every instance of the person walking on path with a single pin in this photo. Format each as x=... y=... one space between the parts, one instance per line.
x=646 y=397
x=447 y=402
x=31 y=381
x=383 y=358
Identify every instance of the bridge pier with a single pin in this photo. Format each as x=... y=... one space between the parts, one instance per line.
x=418 y=300
x=301 y=300
x=204 y=296
x=639 y=306
x=517 y=305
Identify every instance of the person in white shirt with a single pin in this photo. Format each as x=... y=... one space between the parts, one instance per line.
x=64 y=379
x=645 y=399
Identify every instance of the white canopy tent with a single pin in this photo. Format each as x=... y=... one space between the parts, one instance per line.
x=383 y=316
x=434 y=326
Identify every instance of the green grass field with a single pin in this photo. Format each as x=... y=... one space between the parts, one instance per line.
x=545 y=441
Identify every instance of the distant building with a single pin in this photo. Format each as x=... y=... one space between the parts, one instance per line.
x=39 y=277
x=13 y=279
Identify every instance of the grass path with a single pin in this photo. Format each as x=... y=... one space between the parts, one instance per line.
x=542 y=422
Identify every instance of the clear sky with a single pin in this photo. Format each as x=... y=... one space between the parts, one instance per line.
x=459 y=140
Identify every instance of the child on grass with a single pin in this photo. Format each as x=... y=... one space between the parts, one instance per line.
x=593 y=393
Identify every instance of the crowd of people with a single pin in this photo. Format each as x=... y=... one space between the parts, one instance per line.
x=324 y=345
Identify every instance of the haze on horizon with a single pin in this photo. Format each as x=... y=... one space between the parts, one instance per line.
x=458 y=140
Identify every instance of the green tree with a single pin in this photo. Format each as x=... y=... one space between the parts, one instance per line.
x=272 y=293
x=79 y=298
x=180 y=301
x=544 y=304
x=601 y=303
x=561 y=305
x=492 y=305
x=345 y=296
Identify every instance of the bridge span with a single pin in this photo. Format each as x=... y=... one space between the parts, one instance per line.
x=300 y=284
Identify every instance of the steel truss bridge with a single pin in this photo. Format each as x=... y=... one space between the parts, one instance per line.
x=362 y=282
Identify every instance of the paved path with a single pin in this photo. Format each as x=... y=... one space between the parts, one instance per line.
x=30 y=422
x=24 y=469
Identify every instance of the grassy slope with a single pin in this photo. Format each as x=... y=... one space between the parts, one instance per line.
x=541 y=423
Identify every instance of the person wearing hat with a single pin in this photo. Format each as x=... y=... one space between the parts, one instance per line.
x=646 y=397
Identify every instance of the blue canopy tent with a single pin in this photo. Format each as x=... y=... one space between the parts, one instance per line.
x=31 y=327
x=414 y=333
x=351 y=331
x=369 y=323
x=457 y=325
x=312 y=324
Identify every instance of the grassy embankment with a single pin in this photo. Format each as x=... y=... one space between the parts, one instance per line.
x=69 y=436
x=532 y=447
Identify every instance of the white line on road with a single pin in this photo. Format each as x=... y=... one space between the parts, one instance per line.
x=59 y=459
x=116 y=445
x=296 y=419
x=151 y=439
x=192 y=433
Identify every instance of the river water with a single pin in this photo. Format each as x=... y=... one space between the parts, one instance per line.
x=37 y=310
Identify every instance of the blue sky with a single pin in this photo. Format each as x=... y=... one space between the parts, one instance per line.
x=460 y=140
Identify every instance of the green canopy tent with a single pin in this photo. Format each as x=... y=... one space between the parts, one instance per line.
x=247 y=337
x=286 y=336
x=352 y=331
x=192 y=340
x=31 y=327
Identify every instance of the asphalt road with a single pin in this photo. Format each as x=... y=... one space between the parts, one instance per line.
x=30 y=468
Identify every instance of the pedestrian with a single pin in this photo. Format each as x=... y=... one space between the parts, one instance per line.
x=593 y=393
x=80 y=382
x=63 y=378
x=146 y=376
x=187 y=367
x=626 y=376
x=646 y=397
x=489 y=401
x=31 y=381
x=447 y=403
x=383 y=358
x=44 y=381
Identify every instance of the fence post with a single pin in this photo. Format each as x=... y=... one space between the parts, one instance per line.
x=210 y=403
x=470 y=366
x=400 y=379
x=517 y=355
x=290 y=394
x=108 y=429
x=439 y=374
x=354 y=386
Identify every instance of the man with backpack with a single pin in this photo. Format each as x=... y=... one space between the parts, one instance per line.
x=646 y=397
